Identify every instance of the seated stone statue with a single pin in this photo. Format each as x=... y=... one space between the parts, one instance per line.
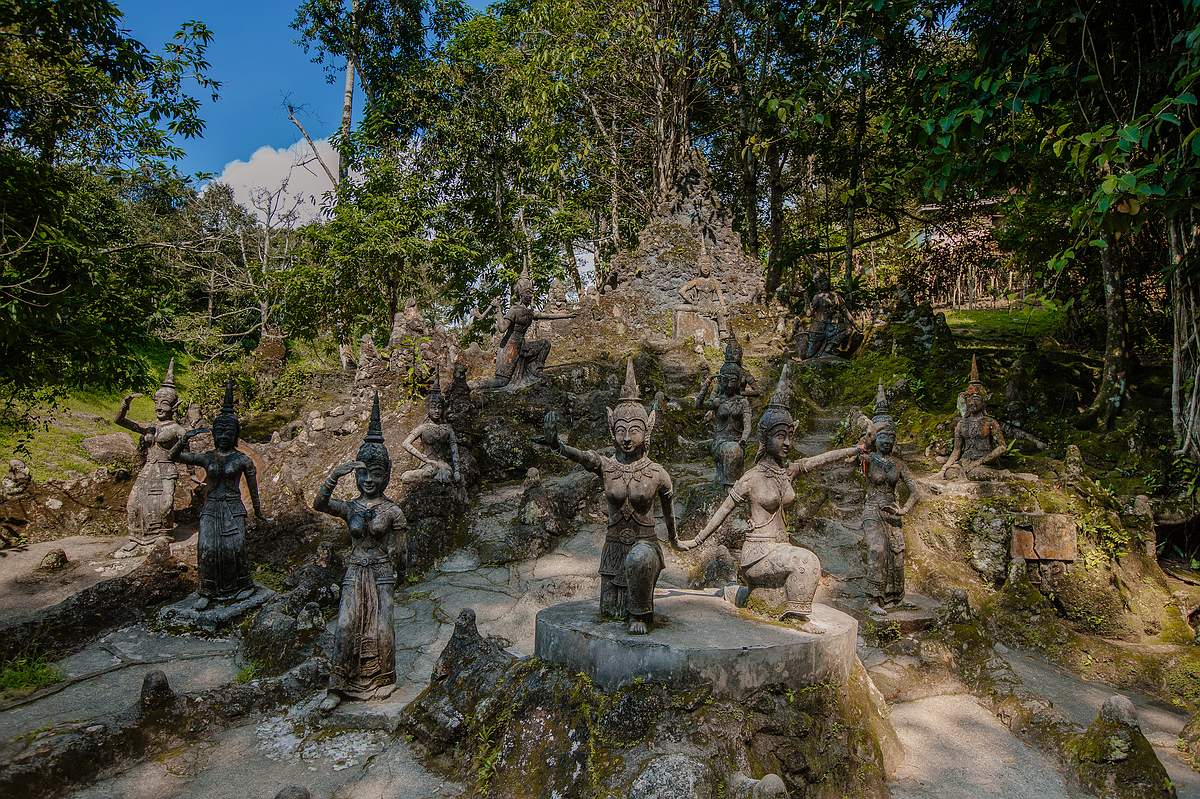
x=520 y=360
x=632 y=557
x=828 y=323
x=439 y=444
x=978 y=438
x=769 y=559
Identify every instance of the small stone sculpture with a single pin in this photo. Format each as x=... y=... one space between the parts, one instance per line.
x=768 y=556
x=150 y=510
x=978 y=438
x=364 y=659
x=439 y=445
x=221 y=560
x=882 y=533
x=462 y=413
x=703 y=296
x=733 y=351
x=632 y=557
x=828 y=319
x=520 y=360
x=731 y=418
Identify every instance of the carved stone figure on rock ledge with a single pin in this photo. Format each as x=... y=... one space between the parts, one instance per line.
x=882 y=532
x=769 y=559
x=224 y=568
x=703 y=307
x=520 y=360
x=439 y=445
x=462 y=413
x=978 y=438
x=828 y=323
x=150 y=511
x=632 y=557
x=731 y=417
x=364 y=658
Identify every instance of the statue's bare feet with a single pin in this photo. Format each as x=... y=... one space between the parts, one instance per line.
x=875 y=609
x=383 y=692
x=245 y=593
x=201 y=603
x=330 y=701
x=638 y=627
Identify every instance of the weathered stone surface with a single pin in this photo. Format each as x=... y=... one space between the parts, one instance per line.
x=216 y=617
x=699 y=638
x=701 y=329
x=674 y=777
x=1044 y=536
x=293 y=792
x=1113 y=759
x=110 y=449
x=54 y=560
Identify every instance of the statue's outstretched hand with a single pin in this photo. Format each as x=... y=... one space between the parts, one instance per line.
x=195 y=431
x=344 y=469
x=549 y=437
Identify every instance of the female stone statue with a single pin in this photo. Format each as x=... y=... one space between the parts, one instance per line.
x=150 y=511
x=221 y=549
x=364 y=659
x=769 y=559
x=978 y=438
x=439 y=445
x=882 y=532
x=520 y=360
x=731 y=419
x=632 y=558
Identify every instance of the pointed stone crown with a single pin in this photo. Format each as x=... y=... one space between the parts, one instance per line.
x=974 y=384
x=435 y=398
x=629 y=407
x=227 y=416
x=882 y=419
x=167 y=389
x=733 y=358
x=778 y=410
x=372 y=451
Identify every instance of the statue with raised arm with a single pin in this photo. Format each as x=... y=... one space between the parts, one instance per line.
x=882 y=531
x=224 y=568
x=438 y=450
x=702 y=295
x=731 y=418
x=828 y=320
x=769 y=558
x=150 y=511
x=978 y=438
x=733 y=351
x=632 y=557
x=520 y=359
x=364 y=656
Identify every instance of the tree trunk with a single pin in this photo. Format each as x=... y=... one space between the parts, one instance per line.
x=775 y=162
x=856 y=158
x=347 y=104
x=1113 y=381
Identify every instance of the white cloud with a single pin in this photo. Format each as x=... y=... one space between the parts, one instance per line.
x=269 y=168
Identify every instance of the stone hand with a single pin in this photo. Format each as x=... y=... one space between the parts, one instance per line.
x=130 y=398
x=686 y=545
x=346 y=468
x=196 y=431
x=549 y=437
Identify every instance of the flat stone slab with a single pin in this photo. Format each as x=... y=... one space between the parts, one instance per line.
x=698 y=638
x=216 y=617
x=382 y=714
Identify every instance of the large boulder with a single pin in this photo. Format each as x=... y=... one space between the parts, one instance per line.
x=1113 y=760
x=111 y=449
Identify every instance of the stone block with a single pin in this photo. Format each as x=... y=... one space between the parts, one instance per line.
x=1048 y=536
x=697 y=326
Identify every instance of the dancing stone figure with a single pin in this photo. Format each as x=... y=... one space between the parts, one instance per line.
x=882 y=532
x=221 y=560
x=769 y=559
x=520 y=360
x=828 y=318
x=438 y=450
x=364 y=658
x=731 y=418
x=978 y=438
x=150 y=511
x=632 y=557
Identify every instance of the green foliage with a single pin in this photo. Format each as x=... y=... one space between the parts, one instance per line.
x=28 y=674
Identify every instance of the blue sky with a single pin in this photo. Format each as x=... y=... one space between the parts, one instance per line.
x=255 y=57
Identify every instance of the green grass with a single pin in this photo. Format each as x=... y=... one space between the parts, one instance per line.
x=28 y=674
x=1006 y=324
x=251 y=671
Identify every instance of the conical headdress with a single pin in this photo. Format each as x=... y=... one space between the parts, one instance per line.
x=629 y=406
x=974 y=384
x=778 y=410
x=228 y=416
x=882 y=420
x=435 y=398
x=372 y=451
x=167 y=389
x=733 y=359
x=524 y=282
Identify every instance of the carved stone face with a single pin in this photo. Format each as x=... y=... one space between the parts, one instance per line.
x=629 y=436
x=885 y=442
x=460 y=372
x=726 y=384
x=975 y=403
x=436 y=411
x=778 y=442
x=164 y=406
x=372 y=480
x=225 y=436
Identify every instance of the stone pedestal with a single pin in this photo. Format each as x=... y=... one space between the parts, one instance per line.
x=698 y=638
x=697 y=326
x=217 y=617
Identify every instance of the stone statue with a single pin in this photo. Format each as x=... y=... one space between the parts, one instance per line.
x=407 y=324
x=221 y=558
x=632 y=557
x=731 y=418
x=978 y=438
x=882 y=532
x=364 y=658
x=462 y=411
x=769 y=559
x=703 y=296
x=519 y=360
x=150 y=511
x=733 y=351
x=439 y=445
x=828 y=318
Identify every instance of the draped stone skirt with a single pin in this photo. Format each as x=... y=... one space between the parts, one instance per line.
x=221 y=549
x=364 y=657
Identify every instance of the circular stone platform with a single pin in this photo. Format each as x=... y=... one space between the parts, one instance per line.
x=698 y=638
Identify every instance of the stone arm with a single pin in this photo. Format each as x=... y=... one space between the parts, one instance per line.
x=824 y=459
x=749 y=385
x=552 y=316
x=409 y=445
x=702 y=398
x=666 y=497
x=129 y=424
x=251 y=473
x=180 y=453
x=586 y=458
x=747 y=421
x=1001 y=446
x=718 y=518
x=324 y=501
x=455 y=464
x=914 y=493
x=956 y=453
x=399 y=530
x=685 y=291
